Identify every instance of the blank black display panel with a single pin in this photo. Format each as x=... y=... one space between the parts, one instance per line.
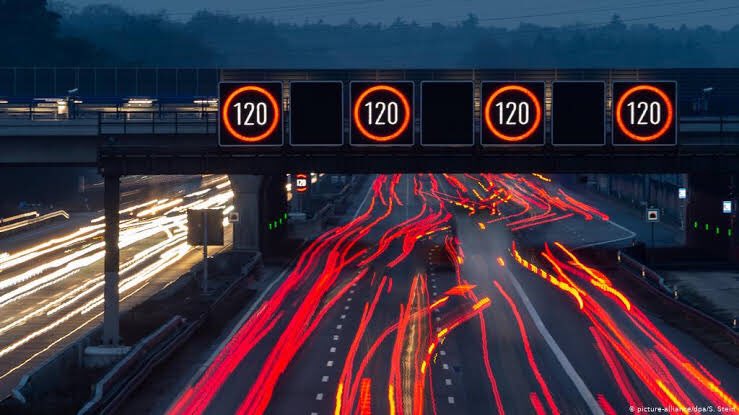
x=578 y=113
x=316 y=114
x=447 y=111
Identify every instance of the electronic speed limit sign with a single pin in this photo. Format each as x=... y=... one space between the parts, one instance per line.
x=301 y=183
x=644 y=113
x=250 y=114
x=382 y=113
x=512 y=113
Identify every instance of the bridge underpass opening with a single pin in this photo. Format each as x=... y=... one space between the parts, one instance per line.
x=262 y=207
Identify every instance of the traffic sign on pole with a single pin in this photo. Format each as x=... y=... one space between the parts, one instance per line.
x=728 y=206
x=301 y=183
x=233 y=217
x=652 y=215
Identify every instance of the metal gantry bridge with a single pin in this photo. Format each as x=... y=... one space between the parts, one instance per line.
x=164 y=121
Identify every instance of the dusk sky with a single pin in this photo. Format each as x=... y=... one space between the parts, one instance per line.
x=719 y=13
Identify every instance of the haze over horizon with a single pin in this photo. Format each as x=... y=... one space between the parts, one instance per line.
x=722 y=14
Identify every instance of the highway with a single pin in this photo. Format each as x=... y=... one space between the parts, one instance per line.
x=458 y=294
x=51 y=278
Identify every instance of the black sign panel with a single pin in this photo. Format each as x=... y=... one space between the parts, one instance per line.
x=195 y=222
x=644 y=114
x=447 y=111
x=512 y=114
x=382 y=113
x=578 y=113
x=316 y=113
x=250 y=114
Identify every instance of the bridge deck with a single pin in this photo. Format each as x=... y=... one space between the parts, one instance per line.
x=185 y=142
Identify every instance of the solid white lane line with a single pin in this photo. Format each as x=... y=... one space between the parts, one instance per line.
x=369 y=191
x=627 y=230
x=582 y=389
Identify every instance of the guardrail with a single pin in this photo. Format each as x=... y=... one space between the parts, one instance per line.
x=656 y=284
x=136 y=361
x=129 y=373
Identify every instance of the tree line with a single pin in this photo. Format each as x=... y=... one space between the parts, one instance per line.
x=34 y=33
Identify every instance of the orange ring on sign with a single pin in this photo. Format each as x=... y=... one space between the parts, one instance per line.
x=406 y=117
x=301 y=189
x=629 y=133
x=272 y=126
x=527 y=133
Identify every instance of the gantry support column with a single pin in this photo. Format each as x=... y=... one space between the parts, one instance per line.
x=112 y=201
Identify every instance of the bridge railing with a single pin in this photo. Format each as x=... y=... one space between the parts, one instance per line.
x=158 y=122
x=189 y=119
x=112 y=121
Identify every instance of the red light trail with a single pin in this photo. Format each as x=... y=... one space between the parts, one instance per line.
x=389 y=360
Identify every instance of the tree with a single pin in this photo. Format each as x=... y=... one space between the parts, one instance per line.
x=29 y=35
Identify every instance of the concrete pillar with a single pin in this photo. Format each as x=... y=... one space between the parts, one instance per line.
x=112 y=201
x=246 y=233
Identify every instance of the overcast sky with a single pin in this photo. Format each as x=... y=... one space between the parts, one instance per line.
x=719 y=13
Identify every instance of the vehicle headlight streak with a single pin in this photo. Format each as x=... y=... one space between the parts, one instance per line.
x=82 y=249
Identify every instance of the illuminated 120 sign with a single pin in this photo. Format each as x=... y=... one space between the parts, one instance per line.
x=250 y=114
x=512 y=113
x=644 y=113
x=382 y=113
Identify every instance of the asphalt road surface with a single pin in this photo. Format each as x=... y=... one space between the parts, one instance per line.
x=458 y=294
